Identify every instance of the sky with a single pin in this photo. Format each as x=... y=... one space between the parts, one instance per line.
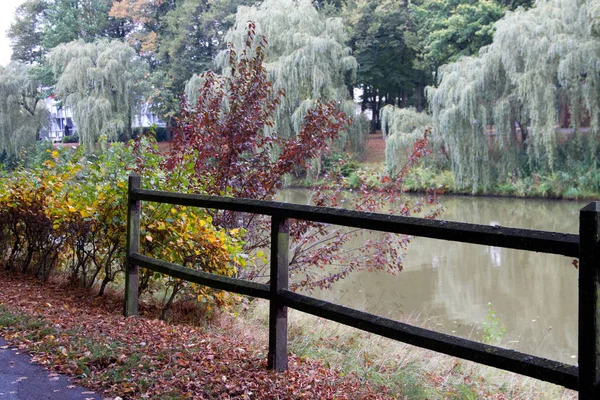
x=7 y=12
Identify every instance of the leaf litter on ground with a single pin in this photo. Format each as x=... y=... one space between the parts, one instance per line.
x=73 y=332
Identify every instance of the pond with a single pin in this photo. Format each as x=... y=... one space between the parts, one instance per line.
x=453 y=287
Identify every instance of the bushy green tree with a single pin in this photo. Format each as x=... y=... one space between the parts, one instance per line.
x=22 y=110
x=26 y=33
x=445 y=30
x=177 y=39
x=191 y=36
x=88 y=20
x=401 y=128
x=41 y=25
x=102 y=83
x=386 y=72
x=540 y=58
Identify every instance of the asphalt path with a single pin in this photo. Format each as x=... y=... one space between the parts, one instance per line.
x=20 y=379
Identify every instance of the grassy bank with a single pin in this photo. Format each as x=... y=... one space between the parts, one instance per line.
x=557 y=185
x=406 y=371
x=74 y=332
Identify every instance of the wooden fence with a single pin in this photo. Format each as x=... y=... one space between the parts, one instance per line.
x=586 y=246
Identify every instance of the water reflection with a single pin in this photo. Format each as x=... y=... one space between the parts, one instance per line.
x=452 y=284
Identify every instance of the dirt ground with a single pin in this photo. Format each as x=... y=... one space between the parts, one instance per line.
x=375 y=148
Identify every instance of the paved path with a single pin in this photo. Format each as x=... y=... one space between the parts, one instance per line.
x=22 y=380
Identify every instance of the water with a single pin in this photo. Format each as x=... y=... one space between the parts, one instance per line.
x=450 y=287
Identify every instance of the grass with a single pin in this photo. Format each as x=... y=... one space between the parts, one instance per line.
x=406 y=371
x=555 y=185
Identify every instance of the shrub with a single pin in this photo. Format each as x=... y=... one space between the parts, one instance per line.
x=70 y=214
x=339 y=163
x=70 y=139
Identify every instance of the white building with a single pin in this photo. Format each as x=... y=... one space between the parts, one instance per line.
x=61 y=122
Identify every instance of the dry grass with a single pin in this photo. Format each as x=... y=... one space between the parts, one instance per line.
x=408 y=371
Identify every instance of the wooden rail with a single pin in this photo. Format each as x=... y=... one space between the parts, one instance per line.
x=586 y=246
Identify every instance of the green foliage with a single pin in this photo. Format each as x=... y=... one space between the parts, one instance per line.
x=424 y=178
x=69 y=20
x=379 y=43
x=22 y=111
x=401 y=127
x=102 y=83
x=69 y=214
x=306 y=58
x=448 y=30
x=339 y=164
x=41 y=25
x=26 y=33
x=493 y=330
x=493 y=109
x=188 y=41
x=70 y=139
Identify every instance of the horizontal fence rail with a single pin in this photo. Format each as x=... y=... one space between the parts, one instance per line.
x=247 y=288
x=587 y=380
x=491 y=235
x=510 y=360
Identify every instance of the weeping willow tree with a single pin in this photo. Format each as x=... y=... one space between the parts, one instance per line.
x=401 y=127
x=102 y=83
x=22 y=110
x=505 y=103
x=306 y=58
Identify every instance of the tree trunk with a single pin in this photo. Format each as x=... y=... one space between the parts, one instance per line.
x=128 y=128
x=163 y=313
x=420 y=92
x=105 y=282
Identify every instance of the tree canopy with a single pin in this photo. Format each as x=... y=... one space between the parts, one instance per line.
x=22 y=110
x=26 y=33
x=448 y=30
x=319 y=49
x=386 y=70
x=41 y=25
x=539 y=59
x=102 y=83
x=306 y=58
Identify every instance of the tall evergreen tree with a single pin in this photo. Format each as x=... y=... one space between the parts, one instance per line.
x=386 y=73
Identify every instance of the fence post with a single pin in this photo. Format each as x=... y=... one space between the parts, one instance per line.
x=133 y=246
x=589 y=296
x=280 y=237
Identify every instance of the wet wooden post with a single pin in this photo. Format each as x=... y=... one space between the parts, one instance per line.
x=589 y=296
x=277 y=358
x=133 y=246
